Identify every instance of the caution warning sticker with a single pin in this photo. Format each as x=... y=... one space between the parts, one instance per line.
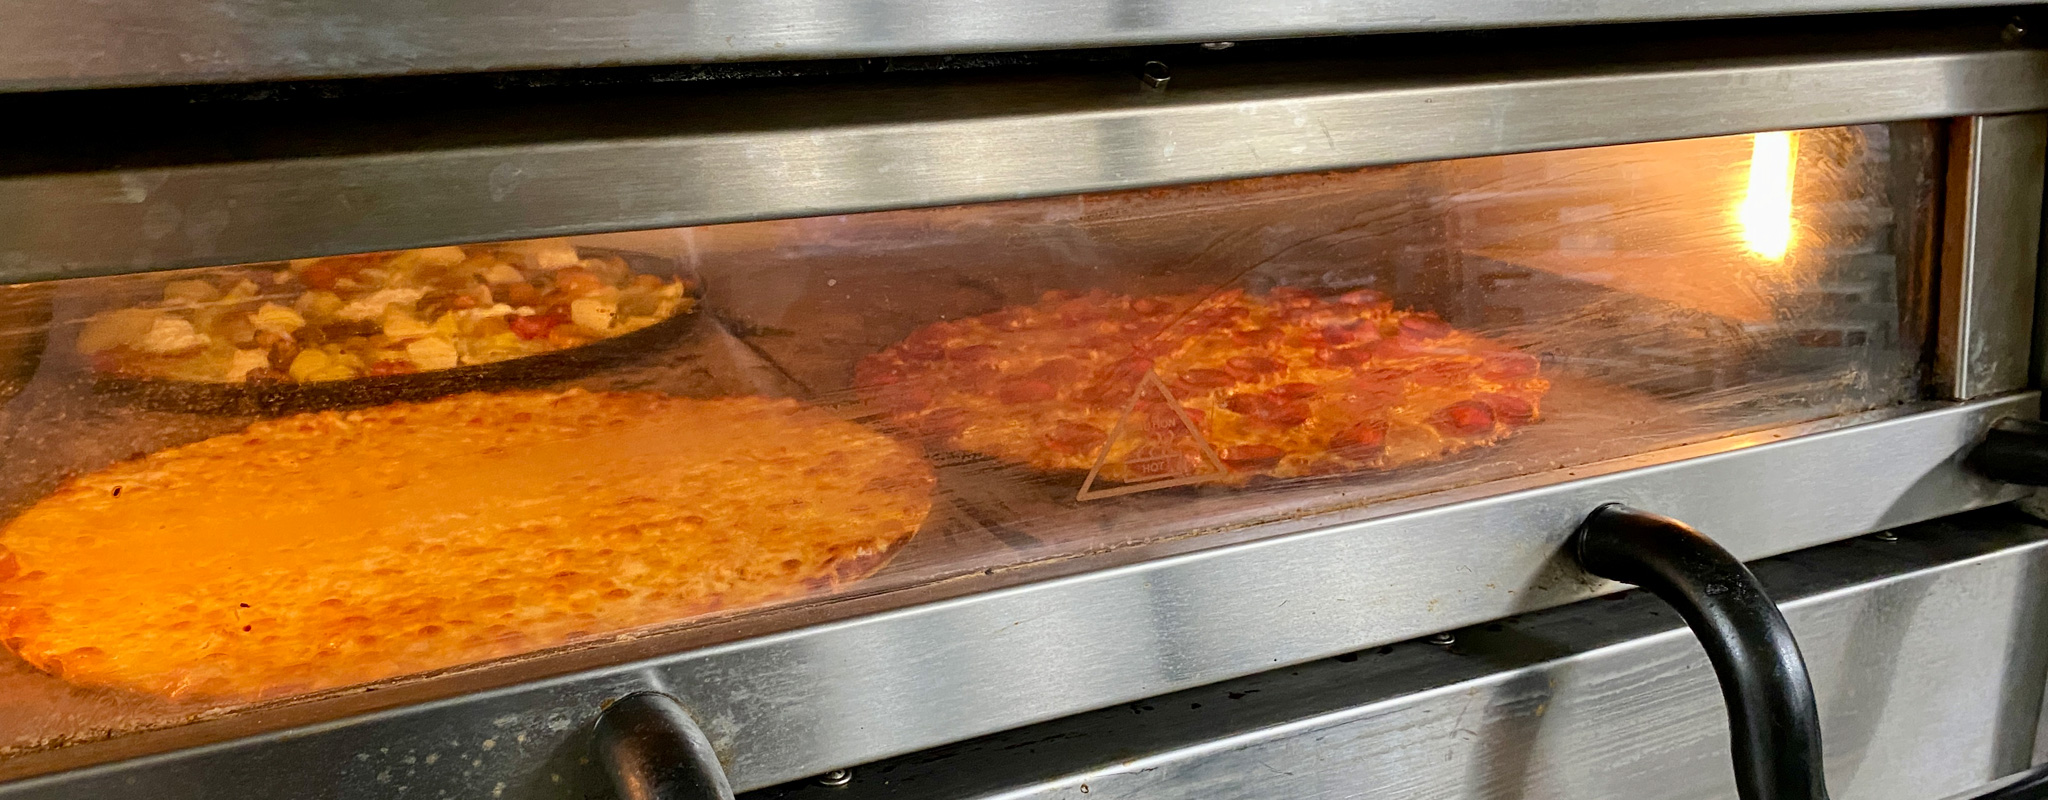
x=1157 y=444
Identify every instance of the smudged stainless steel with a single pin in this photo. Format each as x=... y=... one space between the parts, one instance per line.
x=1990 y=255
x=801 y=702
x=1921 y=650
x=52 y=44
x=773 y=154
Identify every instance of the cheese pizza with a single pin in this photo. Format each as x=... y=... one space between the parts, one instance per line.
x=330 y=549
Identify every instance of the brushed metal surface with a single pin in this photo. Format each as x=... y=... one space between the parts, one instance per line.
x=1920 y=649
x=798 y=703
x=52 y=44
x=793 y=151
x=1990 y=254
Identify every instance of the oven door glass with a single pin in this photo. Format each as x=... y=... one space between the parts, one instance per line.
x=246 y=484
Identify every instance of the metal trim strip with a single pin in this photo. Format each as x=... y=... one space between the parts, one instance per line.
x=798 y=703
x=1927 y=653
x=155 y=42
x=1990 y=255
x=756 y=157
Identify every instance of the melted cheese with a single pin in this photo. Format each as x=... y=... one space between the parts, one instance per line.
x=330 y=549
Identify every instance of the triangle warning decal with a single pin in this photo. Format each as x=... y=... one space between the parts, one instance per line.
x=1156 y=444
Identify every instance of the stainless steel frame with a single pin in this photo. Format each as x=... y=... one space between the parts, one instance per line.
x=1990 y=254
x=691 y=158
x=804 y=701
x=1927 y=655
x=50 y=44
x=787 y=695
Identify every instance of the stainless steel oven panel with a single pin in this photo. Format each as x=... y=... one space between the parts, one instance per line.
x=767 y=154
x=1926 y=655
x=52 y=44
x=1990 y=254
x=797 y=703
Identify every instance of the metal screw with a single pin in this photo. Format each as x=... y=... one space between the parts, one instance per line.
x=2014 y=30
x=1442 y=639
x=1218 y=45
x=1155 y=75
x=1885 y=536
x=837 y=777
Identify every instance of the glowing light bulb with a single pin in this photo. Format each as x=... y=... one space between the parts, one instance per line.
x=1766 y=209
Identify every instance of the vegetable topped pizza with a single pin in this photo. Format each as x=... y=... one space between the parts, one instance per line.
x=406 y=311
x=1148 y=388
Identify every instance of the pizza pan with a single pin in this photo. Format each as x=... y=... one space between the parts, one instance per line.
x=165 y=394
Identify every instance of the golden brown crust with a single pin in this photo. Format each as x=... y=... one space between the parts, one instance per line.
x=331 y=549
x=1150 y=388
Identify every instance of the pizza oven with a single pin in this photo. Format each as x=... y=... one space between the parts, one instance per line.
x=1182 y=399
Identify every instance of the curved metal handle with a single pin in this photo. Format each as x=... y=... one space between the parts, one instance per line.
x=2014 y=451
x=653 y=750
x=1772 y=720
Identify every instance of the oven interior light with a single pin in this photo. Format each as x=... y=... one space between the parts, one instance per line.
x=1766 y=210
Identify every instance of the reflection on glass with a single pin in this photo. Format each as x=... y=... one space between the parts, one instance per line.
x=1766 y=210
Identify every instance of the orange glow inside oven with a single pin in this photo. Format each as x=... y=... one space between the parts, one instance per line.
x=1766 y=209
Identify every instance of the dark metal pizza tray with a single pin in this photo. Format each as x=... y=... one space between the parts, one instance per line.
x=285 y=398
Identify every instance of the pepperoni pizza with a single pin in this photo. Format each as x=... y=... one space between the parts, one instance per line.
x=1146 y=388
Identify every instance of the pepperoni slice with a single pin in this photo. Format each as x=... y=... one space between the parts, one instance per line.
x=1510 y=409
x=1075 y=438
x=1422 y=326
x=1363 y=440
x=1344 y=356
x=1102 y=395
x=1463 y=418
x=1126 y=372
x=1257 y=337
x=1204 y=378
x=1268 y=408
x=1015 y=392
x=1341 y=334
x=1058 y=371
x=1251 y=456
x=1296 y=391
x=1398 y=348
x=1246 y=368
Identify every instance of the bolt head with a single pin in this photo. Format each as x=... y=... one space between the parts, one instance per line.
x=837 y=777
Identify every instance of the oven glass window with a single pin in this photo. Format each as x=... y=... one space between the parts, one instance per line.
x=246 y=484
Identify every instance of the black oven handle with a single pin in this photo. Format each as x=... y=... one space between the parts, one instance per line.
x=1773 y=724
x=652 y=750
x=2014 y=450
